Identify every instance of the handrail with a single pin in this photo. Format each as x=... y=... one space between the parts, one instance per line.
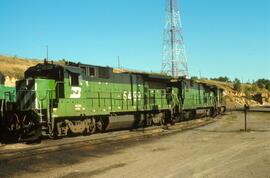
x=2 y=109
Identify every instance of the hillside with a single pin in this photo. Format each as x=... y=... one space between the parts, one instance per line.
x=250 y=94
x=13 y=68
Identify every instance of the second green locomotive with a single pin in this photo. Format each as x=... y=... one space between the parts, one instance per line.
x=7 y=100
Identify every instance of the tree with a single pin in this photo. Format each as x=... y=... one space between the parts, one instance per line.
x=248 y=92
x=194 y=78
x=254 y=88
x=237 y=85
x=263 y=83
x=222 y=79
x=260 y=83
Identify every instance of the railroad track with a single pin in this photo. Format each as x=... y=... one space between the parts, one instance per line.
x=265 y=109
x=50 y=146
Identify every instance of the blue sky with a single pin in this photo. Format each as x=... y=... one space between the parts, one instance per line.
x=222 y=37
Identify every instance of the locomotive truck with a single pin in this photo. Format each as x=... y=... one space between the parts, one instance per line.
x=58 y=100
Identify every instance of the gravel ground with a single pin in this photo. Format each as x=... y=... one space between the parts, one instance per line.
x=216 y=150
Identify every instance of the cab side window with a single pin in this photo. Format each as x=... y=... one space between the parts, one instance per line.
x=92 y=72
x=74 y=79
x=104 y=73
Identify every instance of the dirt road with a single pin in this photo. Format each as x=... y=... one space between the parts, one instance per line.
x=216 y=150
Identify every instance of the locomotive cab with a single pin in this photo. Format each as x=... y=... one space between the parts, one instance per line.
x=40 y=85
x=36 y=95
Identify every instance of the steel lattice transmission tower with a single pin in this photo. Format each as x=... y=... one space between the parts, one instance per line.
x=174 y=53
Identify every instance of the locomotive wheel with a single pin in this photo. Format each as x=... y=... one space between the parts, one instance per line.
x=99 y=125
x=11 y=129
x=53 y=135
x=29 y=130
x=13 y=123
x=149 y=122
x=162 y=121
x=214 y=112
x=25 y=123
x=93 y=127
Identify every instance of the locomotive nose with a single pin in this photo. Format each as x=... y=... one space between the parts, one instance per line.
x=25 y=90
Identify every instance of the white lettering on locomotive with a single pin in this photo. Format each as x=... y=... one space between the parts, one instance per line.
x=76 y=92
x=127 y=95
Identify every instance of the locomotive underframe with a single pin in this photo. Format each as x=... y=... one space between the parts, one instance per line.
x=90 y=124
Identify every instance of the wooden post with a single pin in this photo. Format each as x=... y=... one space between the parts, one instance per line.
x=245 y=120
x=246 y=108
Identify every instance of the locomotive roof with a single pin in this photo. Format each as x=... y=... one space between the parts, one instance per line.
x=72 y=67
x=72 y=64
x=76 y=68
x=124 y=71
x=209 y=85
x=151 y=75
x=40 y=67
x=196 y=81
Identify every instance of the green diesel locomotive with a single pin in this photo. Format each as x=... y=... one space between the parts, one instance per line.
x=7 y=98
x=58 y=100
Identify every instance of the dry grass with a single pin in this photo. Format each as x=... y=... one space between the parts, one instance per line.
x=14 y=66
